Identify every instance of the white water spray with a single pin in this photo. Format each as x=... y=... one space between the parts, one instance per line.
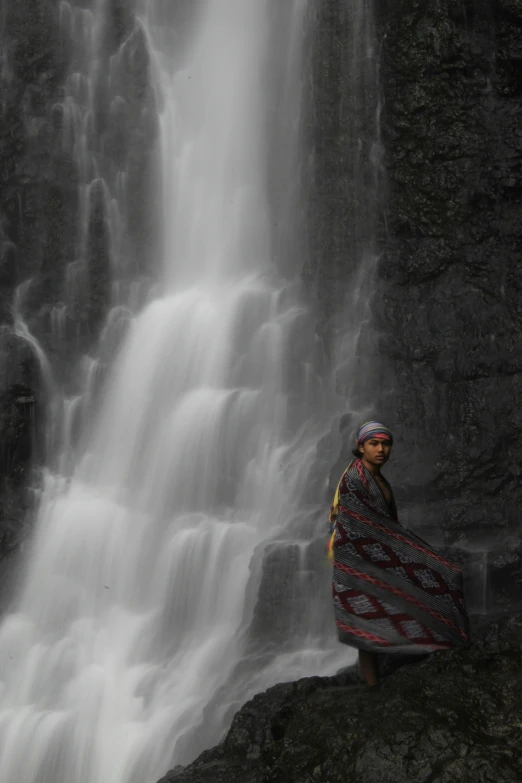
x=133 y=612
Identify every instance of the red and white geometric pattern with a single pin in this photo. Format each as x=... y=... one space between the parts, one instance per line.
x=391 y=590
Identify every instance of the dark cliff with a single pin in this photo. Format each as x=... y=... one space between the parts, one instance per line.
x=452 y=717
x=439 y=359
x=37 y=213
x=448 y=307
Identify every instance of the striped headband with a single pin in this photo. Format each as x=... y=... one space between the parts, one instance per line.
x=373 y=429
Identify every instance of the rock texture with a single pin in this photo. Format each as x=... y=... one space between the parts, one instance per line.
x=450 y=314
x=37 y=215
x=452 y=717
x=447 y=305
x=344 y=137
x=55 y=273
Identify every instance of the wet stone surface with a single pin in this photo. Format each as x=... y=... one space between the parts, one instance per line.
x=67 y=278
x=446 y=334
x=448 y=304
x=451 y=717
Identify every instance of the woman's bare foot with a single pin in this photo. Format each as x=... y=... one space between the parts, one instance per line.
x=368 y=667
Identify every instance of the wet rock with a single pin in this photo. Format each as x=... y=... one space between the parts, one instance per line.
x=287 y=606
x=98 y=257
x=345 y=153
x=128 y=141
x=17 y=404
x=20 y=424
x=38 y=193
x=493 y=574
x=38 y=213
x=43 y=237
x=440 y=361
x=142 y=166
x=449 y=314
x=33 y=52
x=41 y=173
x=452 y=716
x=119 y=22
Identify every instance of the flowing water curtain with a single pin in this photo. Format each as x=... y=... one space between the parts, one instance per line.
x=109 y=132
x=355 y=339
x=109 y=129
x=355 y=356
x=142 y=582
x=347 y=192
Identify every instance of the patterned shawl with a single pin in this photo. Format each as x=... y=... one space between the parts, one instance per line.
x=392 y=592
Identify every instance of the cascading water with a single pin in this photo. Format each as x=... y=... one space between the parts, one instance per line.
x=346 y=208
x=355 y=338
x=121 y=653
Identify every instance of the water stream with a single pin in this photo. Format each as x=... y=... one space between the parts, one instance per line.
x=137 y=623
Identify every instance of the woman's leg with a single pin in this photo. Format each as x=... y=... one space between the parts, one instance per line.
x=368 y=667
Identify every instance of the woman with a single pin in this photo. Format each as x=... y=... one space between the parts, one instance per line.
x=392 y=592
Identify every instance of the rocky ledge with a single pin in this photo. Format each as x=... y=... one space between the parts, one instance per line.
x=451 y=717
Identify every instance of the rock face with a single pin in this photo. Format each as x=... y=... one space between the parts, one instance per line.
x=450 y=305
x=446 y=310
x=37 y=203
x=344 y=136
x=452 y=717
x=58 y=177
x=19 y=422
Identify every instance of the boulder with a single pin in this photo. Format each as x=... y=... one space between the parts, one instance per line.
x=454 y=716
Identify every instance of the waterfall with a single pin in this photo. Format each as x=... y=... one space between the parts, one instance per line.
x=137 y=627
x=347 y=205
x=355 y=338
